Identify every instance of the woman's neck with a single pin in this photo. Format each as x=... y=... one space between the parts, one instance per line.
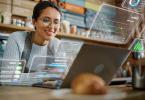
x=37 y=39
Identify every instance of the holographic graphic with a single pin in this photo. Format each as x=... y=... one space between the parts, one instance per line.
x=50 y=67
x=135 y=5
x=114 y=24
x=11 y=70
x=137 y=45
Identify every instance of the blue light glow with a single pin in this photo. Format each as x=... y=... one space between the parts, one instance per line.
x=134 y=4
x=61 y=70
x=56 y=65
x=49 y=75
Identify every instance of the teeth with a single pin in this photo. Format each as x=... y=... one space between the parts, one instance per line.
x=49 y=32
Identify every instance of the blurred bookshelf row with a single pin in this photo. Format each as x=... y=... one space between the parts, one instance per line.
x=79 y=13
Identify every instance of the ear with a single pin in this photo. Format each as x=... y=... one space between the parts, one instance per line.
x=34 y=22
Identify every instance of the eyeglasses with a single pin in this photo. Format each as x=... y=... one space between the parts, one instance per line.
x=47 y=22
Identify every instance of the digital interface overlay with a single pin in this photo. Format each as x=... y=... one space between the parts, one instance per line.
x=142 y=33
x=137 y=45
x=49 y=67
x=116 y=27
x=11 y=70
x=67 y=49
x=136 y=5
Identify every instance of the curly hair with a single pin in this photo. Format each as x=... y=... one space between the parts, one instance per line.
x=43 y=5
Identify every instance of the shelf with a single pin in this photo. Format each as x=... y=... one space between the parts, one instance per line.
x=14 y=27
x=10 y=27
x=18 y=28
x=122 y=79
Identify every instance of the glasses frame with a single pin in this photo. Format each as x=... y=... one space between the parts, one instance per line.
x=50 y=23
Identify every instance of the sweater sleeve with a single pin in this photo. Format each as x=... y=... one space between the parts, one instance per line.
x=13 y=52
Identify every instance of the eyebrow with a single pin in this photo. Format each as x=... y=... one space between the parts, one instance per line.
x=50 y=18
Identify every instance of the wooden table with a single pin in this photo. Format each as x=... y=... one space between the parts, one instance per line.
x=36 y=93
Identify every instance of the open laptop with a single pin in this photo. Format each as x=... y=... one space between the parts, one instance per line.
x=103 y=61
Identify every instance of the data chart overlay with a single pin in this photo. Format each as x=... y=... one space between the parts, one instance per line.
x=11 y=70
x=142 y=33
x=116 y=26
x=67 y=48
x=137 y=45
x=49 y=67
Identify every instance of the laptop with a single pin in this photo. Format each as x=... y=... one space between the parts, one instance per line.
x=103 y=61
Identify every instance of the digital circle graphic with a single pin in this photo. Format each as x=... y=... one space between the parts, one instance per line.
x=134 y=2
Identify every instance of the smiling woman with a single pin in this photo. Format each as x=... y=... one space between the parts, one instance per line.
x=25 y=45
x=46 y=22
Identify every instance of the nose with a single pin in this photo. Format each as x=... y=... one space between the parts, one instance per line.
x=51 y=25
x=50 y=28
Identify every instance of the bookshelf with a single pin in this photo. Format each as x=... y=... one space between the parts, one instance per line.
x=13 y=28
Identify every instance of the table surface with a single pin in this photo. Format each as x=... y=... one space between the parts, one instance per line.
x=121 y=92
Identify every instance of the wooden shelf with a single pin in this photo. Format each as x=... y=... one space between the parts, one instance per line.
x=10 y=27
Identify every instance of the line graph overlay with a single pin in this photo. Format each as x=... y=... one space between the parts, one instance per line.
x=107 y=31
x=114 y=29
x=115 y=21
x=142 y=33
x=117 y=27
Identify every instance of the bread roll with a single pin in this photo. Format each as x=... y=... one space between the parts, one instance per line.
x=87 y=83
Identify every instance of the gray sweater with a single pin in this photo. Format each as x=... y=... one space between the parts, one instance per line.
x=15 y=47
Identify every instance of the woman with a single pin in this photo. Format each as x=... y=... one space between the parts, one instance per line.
x=25 y=45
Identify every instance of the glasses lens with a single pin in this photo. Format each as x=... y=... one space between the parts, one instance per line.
x=46 y=21
x=57 y=24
